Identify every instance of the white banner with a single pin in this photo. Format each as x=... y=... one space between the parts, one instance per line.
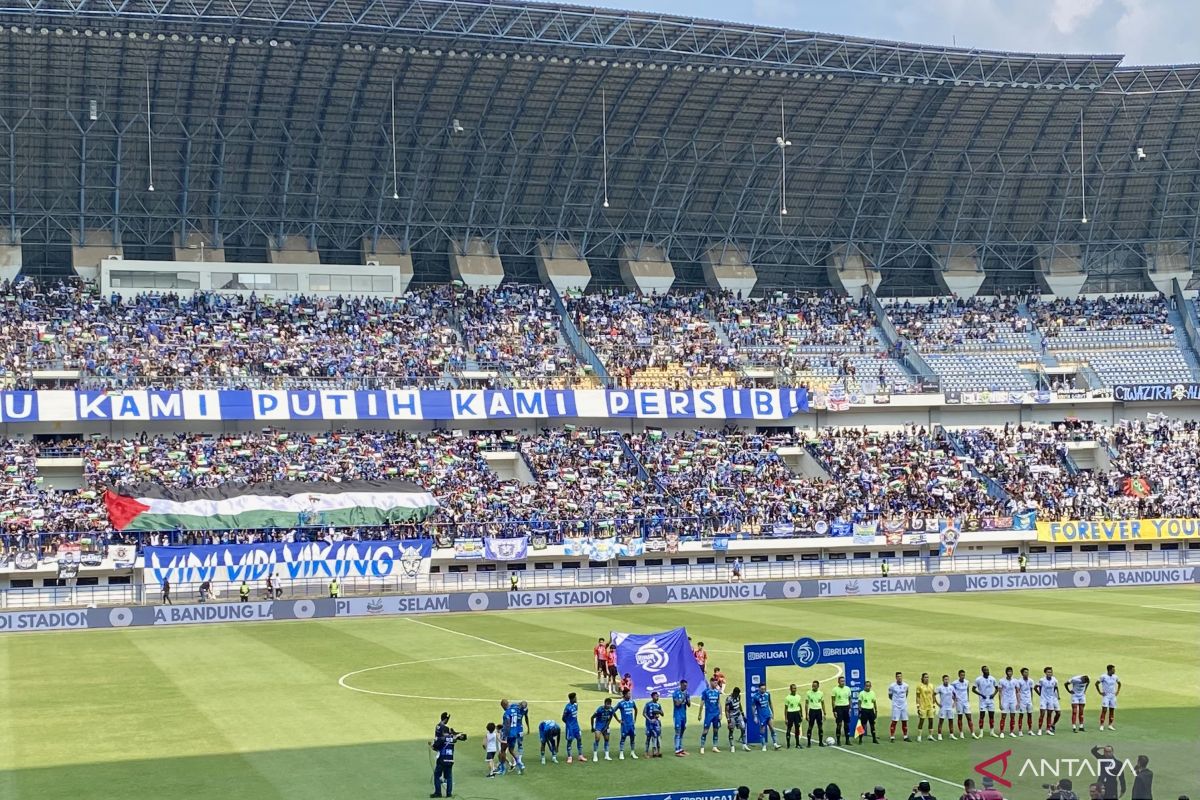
x=999 y=581
x=562 y=598
x=43 y=620
x=854 y=587
x=716 y=591
x=1150 y=577
x=213 y=612
x=407 y=604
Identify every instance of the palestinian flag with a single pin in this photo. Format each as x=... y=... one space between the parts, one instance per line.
x=275 y=504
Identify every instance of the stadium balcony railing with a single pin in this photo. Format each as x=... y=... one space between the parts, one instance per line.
x=593 y=578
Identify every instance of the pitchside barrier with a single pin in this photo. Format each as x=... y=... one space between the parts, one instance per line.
x=413 y=604
x=586 y=578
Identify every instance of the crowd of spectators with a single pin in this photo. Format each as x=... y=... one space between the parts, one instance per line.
x=226 y=341
x=1138 y=317
x=515 y=330
x=1142 y=469
x=903 y=472
x=956 y=324
x=651 y=340
x=586 y=481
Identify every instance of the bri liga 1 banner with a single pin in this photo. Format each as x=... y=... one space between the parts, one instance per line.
x=60 y=405
x=658 y=662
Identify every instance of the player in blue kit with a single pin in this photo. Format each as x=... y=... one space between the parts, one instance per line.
x=516 y=717
x=601 y=718
x=549 y=733
x=681 y=701
x=653 y=712
x=570 y=718
x=628 y=711
x=764 y=712
x=710 y=715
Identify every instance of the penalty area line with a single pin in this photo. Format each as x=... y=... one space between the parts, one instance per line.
x=1176 y=608
x=897 y=766
x=575 y=667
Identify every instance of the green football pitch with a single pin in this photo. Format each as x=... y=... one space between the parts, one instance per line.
x=266 y=710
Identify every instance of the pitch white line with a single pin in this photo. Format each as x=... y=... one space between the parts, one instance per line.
x=1175 y=608
x=897 y=766
x=575 y=667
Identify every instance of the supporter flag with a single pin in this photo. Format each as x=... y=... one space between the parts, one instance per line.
x=275 y=504
x=948 y=536
x=657 y=662
x=864 y=532
x=1136 y=487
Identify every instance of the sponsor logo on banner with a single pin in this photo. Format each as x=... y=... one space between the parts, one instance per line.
x=399 y=404
x=1147 y=577
x=1121 y=530
x=404 y=604
x=560 y=598
x=538 y=541
x=213 y=612
x=996 y=582
x=651 y=657
x=43 y=620
x=702 y=593
x=856 y=587
x=468 y=549
x=25 y=559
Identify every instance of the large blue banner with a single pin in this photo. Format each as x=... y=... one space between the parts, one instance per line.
x=231 y=563
x=689 y=794
x=1156 y=392
x=223 y=555
x=657 y=662
x=399 y=404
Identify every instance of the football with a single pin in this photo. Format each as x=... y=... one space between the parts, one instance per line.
x=829 y=741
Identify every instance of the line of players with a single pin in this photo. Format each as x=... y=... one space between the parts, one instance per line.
x=948 y=702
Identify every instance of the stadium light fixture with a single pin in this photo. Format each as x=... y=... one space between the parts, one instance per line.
x=395 y=167
x=1141 y=154
x=1082 y=175
x=149 y=137
x=782 y=142
x=604 y=142
x=456 y=126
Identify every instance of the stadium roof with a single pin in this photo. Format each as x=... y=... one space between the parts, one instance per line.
x=273 y=118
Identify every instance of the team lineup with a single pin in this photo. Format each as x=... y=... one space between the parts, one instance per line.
x=949 y=703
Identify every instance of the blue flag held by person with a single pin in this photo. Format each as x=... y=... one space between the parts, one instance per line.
x=657 y=662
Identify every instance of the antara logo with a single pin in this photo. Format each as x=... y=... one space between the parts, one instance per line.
x=983 y=768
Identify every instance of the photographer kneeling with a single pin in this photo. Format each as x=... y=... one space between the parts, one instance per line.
x=443 y=770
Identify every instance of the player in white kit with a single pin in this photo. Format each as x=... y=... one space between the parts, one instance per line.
x=945 y=701
x=985 y=688
x=1077 y=687
x=1047 y=692
x=962 y=705
x=1008 y=702
x=1109 y=686
x=1024 y=702
x=898 y=694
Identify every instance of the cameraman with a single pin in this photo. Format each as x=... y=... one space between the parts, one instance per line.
x=443 y=768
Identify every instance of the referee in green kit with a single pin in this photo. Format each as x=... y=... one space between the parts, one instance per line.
x=841 y=711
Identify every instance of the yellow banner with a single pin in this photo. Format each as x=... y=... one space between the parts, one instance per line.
x=1118 y=530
